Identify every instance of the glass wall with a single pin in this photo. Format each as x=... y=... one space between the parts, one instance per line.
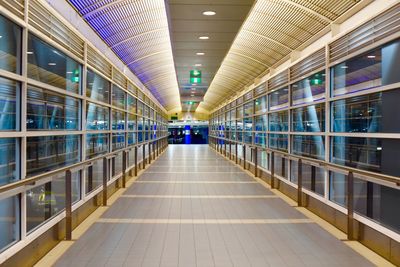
x=352 y=121
x=10 y=46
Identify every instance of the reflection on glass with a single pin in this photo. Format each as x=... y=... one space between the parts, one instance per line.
x=118 y=141
x=281 y=166
x=10 y=46
x=49 y=65
x=239 y=112
x=278 y=141
x=372 y=154
x=309 y=90
x=96 y=144
x=51 y=111
x=8 y=168
x=278 y=99
x=118 y=97
x=46 y=153
x=260 y=139
x=309 y=119
x=278 y=121
x=367 y=113
x=338 y=188
x=97 y=87
x=48 y=200
x=97 y=117
x=312 y=146
x=261 y=123
x=118 y=120
x=260 y=105
x=313 y=177
x=131 y=138
x=131 y=104
x=10 y=221
x=94 y=176
x=9 y=90
x=139 y=108
x=131 y=122
x=248 y=109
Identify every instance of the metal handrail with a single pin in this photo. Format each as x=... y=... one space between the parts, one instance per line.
x=34 y=179
x=377 y=176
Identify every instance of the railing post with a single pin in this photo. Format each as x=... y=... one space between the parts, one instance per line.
x=236 y=153
x=105 y=177
x=136 y=163
x=244 y=157
x=255 y=162
x=230 y=150
x=124 y=169
x=272 y=169
x=144 y=156
x=225 y=148
x=350 y=206
x=150 y=156
x=68 y=205
x=299 y=183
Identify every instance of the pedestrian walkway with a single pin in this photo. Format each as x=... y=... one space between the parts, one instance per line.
x=192 y=207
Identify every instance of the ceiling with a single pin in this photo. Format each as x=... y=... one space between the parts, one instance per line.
x=137 y=31
x=273 y=29
x=158 y=40
x=187 y=24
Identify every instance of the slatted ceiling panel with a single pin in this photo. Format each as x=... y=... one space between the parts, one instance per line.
x=308 y=65
x=42 y=20
x=273 y=29
x=98 y=62
x=137 y=31
x=380 y=27
x=260 y=89
x=278 y=80
x=16 y=7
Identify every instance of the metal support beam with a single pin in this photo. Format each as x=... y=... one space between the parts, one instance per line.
x=350 y=206
x=299 y=183
x=68 y=205
x=105 y=177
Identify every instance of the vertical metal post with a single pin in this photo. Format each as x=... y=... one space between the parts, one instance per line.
x=150 y=156
x=255 y=162
x=272 y=170
x=124 y=169
x=144 y=156
x=136 y=163
x=68 y=205
x=230 y=150
x=236 y=153
x=105 y=177
x=313 y=170
x=244 y=157
x=299 y=183
x=350 y=206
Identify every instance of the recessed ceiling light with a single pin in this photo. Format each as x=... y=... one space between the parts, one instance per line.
x=194 y=84
x=69 y=72
x=52 y=64
x=200 y=54
x=191 y=95
x=344 y=67
x=198 y=65
x=209 y=13
x=29 y=52
x=204 y=37
x=372 y=56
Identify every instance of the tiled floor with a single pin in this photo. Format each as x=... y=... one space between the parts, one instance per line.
x=192 y=207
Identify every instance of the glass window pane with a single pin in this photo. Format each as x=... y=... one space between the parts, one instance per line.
x=367 y=113
x=9 y=90
x=260 y=105
x=46 y=153
x=278 y=99
x=97 y=117
x=372 y=154
x=312 y=146
x=51 y=111
x=131 y=138
x=8 y=151
x=278 y=141
x=118 y=141
x=261 y=123
x=10 y=221
x=97 y=87
x=94 y=176
x=96 y=144
x=118 y=97
x=10 y=46
x=131 y=104
x=248 y=109
x=278 y=121
x=48 y=200
x=338 y=188
x=309 y=119
x=49 y=65
x=118 y=120
x=309 y=90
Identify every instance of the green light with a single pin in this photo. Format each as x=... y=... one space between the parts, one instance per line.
x=195 y=76
x=75 y=76
x=190 y=102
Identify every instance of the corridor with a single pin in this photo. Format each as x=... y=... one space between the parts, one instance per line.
x=192 y=207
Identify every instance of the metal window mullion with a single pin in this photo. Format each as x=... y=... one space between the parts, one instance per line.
x=327 y=120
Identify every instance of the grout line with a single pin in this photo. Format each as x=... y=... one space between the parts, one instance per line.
x=203 y=221
x=53 y=255
x=203 y=196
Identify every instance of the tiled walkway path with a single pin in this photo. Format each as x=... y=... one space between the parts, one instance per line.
x=192 y=207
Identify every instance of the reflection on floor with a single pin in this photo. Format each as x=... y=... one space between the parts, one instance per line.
x=192 y=207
